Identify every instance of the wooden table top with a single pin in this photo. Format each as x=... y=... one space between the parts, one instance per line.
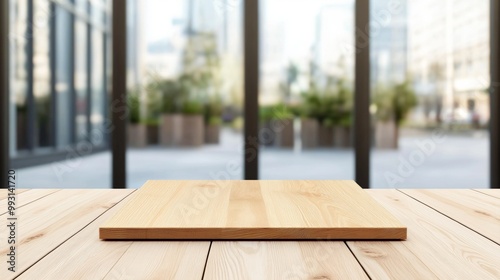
x=452 y=234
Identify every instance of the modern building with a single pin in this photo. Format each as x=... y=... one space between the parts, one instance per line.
x=449 y=58
x=60 y=71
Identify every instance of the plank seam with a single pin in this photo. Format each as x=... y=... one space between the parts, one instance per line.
x=20 y=206
x=449 y=217
x=356 y=258
x=66 y=240
x=206 y=261
x=118 y=260
x=485 y=193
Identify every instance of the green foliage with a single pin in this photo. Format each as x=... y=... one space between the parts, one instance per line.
x=395 y=102
x=213 y=109
x=279 y=111
x=133 y=104
x=331 y=106
x=192 y=107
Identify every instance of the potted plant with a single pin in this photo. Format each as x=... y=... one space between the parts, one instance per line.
x=192 y=132
x=392 y=106
x=213 y=120
x=343 y=107
x=281 y=124
x=136 y=130
x=311 y=114
x=171 y=92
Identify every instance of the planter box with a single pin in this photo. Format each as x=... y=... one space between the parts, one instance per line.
x=386 y=135
x=193 y=131
x=136 y=134
x=266 y=135
x=152 y=134
x=309 y=133
x=325 y=136
x=212 y=133
x=284 y=134
x=170 y=133
x=342 y=137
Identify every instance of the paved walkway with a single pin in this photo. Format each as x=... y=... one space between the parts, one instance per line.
x=420 y=162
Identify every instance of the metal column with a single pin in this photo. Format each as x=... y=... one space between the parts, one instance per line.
x=251 y=68
x=119 y=94
x=362 y=93
x=4 y=92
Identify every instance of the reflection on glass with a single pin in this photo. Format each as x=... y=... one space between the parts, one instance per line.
x=97 y=78
x=81 y=80
x=306 y=97
x=430 y=102
x=41 y=72
x=63 y=77
x=20 y=74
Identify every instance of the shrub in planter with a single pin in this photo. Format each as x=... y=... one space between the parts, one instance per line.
x=170 y=128
x=213 y=120
x=325 y=133
x=193 y=130
x=393 y=104
x=136 y=132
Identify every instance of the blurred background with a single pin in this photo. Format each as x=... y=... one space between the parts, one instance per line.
x=429 y=91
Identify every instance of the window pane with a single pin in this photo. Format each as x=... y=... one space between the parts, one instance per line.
x=20 y=73
x=41 y=72
x=430 y=74
x=306 y=97
x=186 y=105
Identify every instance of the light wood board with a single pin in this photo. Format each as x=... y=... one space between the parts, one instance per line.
x=437 y=246
x=236 y=210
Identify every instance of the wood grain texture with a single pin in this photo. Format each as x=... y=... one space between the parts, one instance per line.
x=76 y=258
x=46 y=223
x=26 y=197
x=282 y=260
x=490 y=192
x=472 y=209
x=437 y=247
x=161 y=260
x=212 y=210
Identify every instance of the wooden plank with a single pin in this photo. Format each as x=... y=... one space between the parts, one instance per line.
x=46 y=223
x=490 y=192
x=76 y=258
x=437 y=247
x=161 y=260
x=212 y=210
x=282 y=260
x=24 y=198
x=4 y=192
x=472 y=209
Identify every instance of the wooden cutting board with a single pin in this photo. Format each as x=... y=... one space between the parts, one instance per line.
x=211 y=210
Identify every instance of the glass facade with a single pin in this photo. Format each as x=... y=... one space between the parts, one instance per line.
x=185 y=85
x=59 y=83
x=60 y=89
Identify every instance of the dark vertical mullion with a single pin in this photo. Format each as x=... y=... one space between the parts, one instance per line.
x=5 y=89
x=362 y=93
x=251 y=68
x=119 y=93
x=494 y=94
x=31 y=135
x=53 y=76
